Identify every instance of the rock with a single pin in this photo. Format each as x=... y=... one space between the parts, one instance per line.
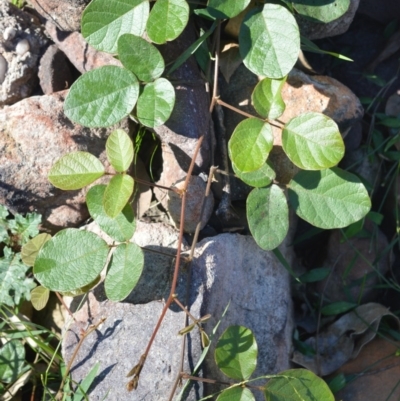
x=54 y=72
x=80 y=54
x=315 y=30
x=195 y=192
x=21 y=45
x=35 y=133
x=357 y=265
x=221 y=266
x=66 y=14
x=375 y=373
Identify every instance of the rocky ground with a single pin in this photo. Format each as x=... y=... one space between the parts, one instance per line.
x=42 y=53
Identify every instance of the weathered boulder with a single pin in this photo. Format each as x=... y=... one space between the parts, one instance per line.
x=34 y=134
x=66 y=14
x=221 y=266
x=21 y=43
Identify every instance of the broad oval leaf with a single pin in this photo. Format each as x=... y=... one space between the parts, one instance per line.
x=122 y=227
x=75 y=170
x=39 y=297
x=236 y=394
x=257 y=178
x=117 y=194
x=119 y=149
x=82 y=290
x=267 y=99
x=250 y=144
x=30 y=250
x=268 y=216
x=70 y=260
x=318 y=11
x=297 y=385
x=140 y=57
x=236 y=352
x=226 y=8
x=124 y=271
x=156 y=103
x=167 y=20
x=12 y=361
x=102 y=97
x=312 y=141
x=327 y=199
x=269 y=41
x=104 y=21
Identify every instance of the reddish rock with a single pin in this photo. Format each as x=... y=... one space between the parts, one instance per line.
x=34 y=134
x=66 y=14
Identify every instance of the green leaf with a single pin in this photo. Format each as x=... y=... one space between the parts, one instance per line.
x=257 y=178
x=83 y=387
x=236 y=352
x=226 y=8
x=168 y=18
x=82 y=290
x=30 y=250
x=102 y=97
x=250 y=144
x=104 y=21
x=315 y=275
x=70 y=260
x=140 y=57
x=312 y=141
x=297 y=385
x=117 y=194
x=119 y=148
x=25 y=227
x=318 y=11
x=236 y=394
x=14 y=285
x=156 y=103
x=328 y=199
x=39 y=297
x=12 y=361
x=336 y=308
x=267 y=99
x=269 y=41
x=124 y=271
x=75 y=170
x=120 y=228
x=268 y=216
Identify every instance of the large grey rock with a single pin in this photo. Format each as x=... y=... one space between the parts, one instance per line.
x=66 y=14
x=227 y=269
x=34 y=134
x=22 y=41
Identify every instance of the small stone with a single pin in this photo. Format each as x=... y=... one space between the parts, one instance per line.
x=22 y=47
x=3 y=68
x=9 y=33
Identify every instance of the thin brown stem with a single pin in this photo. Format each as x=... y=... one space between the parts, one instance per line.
x=60 y=298
x=179 y=303
x=152 y=184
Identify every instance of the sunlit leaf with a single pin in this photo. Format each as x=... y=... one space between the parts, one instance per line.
x=58 y=268
x=267 y=99
x=120 y=228
x=226 y=8
x=104 y=21
x=312 y=141
x=30 y=250
x=140 y=57
x=168 y=18
x=269 y=41
x=318 y=11
x=236 y=394
x=75 y=170
x=156 y=103
x=331 y=198
x=236 y=352
x=268 y=216
x=257 y=178
x=124 y=271
x=102 y=97
x=117 y=194
x=250 y=144
x=119 y=148
x=39 y=297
